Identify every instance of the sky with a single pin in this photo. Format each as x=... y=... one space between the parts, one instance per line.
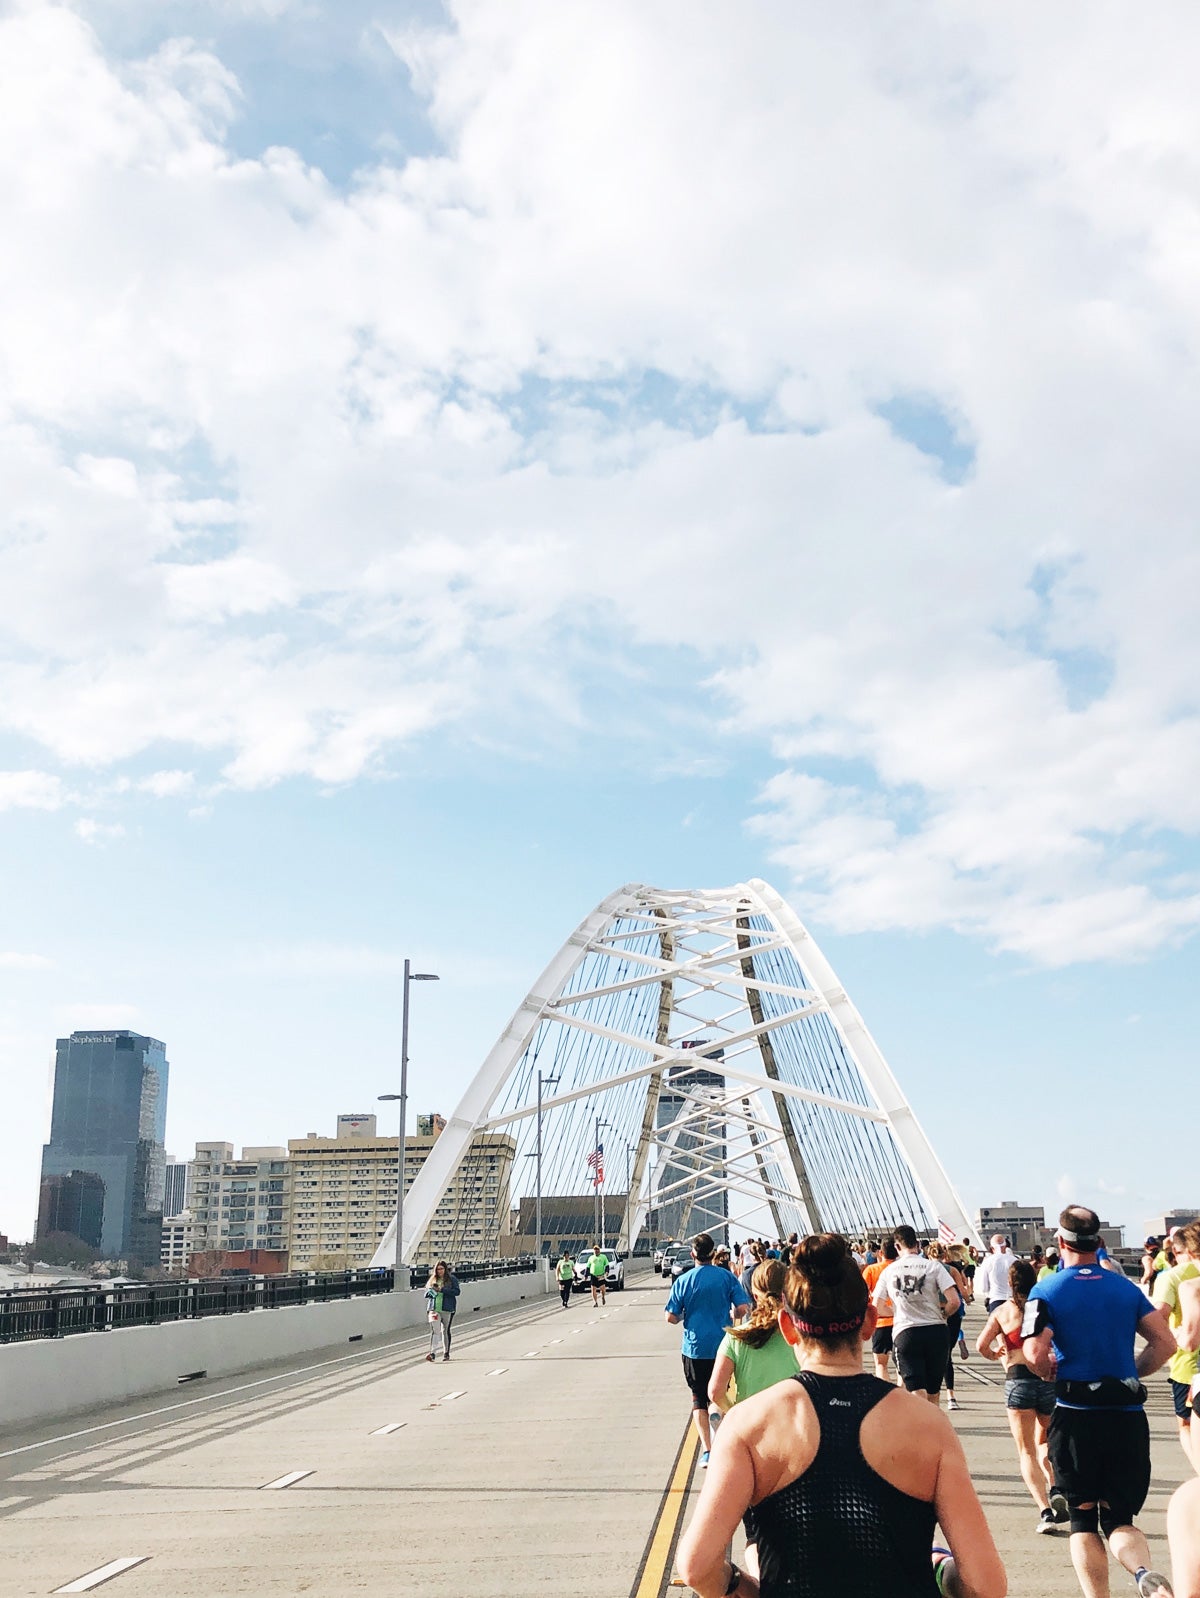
x=456 y=459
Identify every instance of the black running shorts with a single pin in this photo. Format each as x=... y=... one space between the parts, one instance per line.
x=881 y=1340
x=1102 y=1456
x=697 y=1373
x=921 y=1357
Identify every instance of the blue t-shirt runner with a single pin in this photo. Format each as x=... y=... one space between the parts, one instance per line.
x=704 y=1298
x=1093 y=1316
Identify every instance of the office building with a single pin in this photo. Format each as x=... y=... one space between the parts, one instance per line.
x=103 y=1168
x=178 y=1243
x=177 y=1187
x=568 y=1222
x=239 y=1204
x=691 y=1128
x=1162 y=1224
x=1022 y=1224
x=343 y=1195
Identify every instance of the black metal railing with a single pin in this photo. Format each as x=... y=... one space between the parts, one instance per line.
x=28 y=1313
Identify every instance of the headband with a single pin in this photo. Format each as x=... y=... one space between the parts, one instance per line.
x=825 y=1328
x=1078 y=1237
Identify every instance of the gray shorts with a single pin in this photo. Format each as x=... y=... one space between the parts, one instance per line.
x=1027 y=1391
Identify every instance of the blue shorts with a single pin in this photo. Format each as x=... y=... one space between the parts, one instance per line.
x=1179 y=1392
x=1028 y=1391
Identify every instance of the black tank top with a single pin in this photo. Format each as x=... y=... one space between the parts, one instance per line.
x=840 y=1527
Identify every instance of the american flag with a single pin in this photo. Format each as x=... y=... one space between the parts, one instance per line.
x=946 y=1233
x=596 y=1164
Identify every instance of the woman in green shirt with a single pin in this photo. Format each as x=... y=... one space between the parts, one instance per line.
x=565 y=1272
x=756 y=1355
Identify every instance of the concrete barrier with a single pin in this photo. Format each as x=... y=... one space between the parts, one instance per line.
x=68 y=1375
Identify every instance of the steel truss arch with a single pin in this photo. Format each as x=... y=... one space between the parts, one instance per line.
x=704 y=1039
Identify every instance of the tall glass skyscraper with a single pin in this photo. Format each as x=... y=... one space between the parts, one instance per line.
x=103 y=1168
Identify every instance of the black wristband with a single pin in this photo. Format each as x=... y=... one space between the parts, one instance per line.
x=735 y=1580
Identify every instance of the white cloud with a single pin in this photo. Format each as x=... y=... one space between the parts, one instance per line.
x=30 y=790
x=297 y=476
x=167 y=784
x=98 y=832
x=13 y=961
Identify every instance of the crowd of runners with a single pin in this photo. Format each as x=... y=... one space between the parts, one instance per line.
x=840 y=1478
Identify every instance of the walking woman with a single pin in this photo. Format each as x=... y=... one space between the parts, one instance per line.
x=441 y=1299
x=1028 y=1399
x=565 y=1275
x=847 y=1475
x=756 y=1355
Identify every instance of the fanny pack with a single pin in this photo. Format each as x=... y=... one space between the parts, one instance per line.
x=1110 y=1392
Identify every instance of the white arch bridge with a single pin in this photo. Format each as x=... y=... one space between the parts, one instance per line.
x=703 y=1040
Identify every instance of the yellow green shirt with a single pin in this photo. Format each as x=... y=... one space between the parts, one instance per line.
x=1186 y=1363
x=757 y=1368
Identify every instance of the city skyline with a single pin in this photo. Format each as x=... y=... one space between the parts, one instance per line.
x=502 y=454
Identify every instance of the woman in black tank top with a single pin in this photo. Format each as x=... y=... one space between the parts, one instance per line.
x=847 y=1475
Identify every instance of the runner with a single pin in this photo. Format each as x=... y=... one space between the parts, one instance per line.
x=991 y=1277
x=1185 y=1362
x=565 y=1273
x=755 y=1355
x=938 y=1251
x=1150 y=1269
x=921 y=1294
x=1028 y=1399
x=1079 y=1331
x=881 y=1337
x=847 y=1477
x=597 y=1269
x=705 y=1300
x=1183 y=1534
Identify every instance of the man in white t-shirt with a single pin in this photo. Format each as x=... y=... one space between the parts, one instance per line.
x=991 y=1275
x=921 y=1293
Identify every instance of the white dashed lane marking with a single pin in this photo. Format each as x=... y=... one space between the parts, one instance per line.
x=281 y=1482
x=94 y=1578
x=386 y=1431
x=499 y=1371
x=446 y=1397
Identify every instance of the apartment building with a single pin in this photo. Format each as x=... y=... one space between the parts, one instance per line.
x=178 y=1243
x=343 y=1195
x=241 y=1203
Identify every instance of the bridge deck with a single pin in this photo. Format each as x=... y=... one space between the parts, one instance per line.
x=540 y=1459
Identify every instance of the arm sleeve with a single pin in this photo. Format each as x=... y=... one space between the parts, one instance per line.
x=1037 y=1315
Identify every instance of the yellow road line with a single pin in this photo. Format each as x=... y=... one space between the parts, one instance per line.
x=651 y=1579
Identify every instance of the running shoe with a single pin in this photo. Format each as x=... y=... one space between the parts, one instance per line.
x=952 y=1402
x=1046 y=1521
x=962 y=1346
x=1058 y=1506
x=704 y=1459
x=429 y=1359
x=1149 y=1583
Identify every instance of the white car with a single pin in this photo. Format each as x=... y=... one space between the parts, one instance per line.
x=614 y=1277
x=660 y=1253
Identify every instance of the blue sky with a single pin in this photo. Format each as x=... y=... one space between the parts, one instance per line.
x=458 y=460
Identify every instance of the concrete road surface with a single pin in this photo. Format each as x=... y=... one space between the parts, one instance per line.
x=545 y=1457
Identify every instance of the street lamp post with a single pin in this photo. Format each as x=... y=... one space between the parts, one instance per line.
x=543 y=1081
x=409 y=976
